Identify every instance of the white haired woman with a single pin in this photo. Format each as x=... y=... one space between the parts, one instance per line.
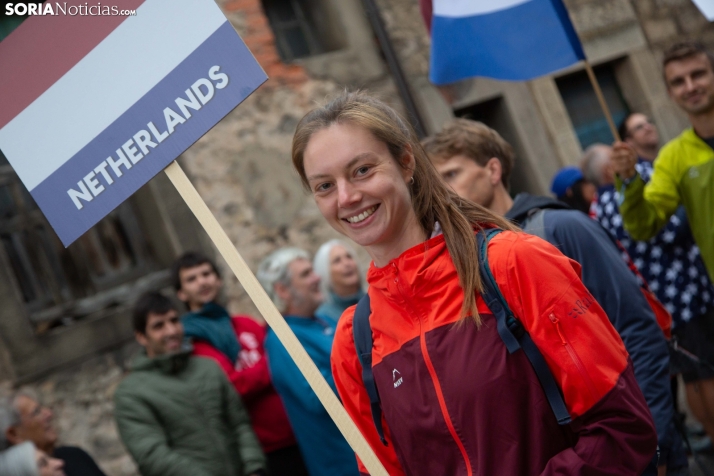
x=341 y=280
x=26 y=460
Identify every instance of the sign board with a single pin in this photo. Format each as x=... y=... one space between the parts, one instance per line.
x=93 y=106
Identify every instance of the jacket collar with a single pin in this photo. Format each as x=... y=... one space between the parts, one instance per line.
x=413 y=266
x=166 y=364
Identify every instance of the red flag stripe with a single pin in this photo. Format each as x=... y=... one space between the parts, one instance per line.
x=43 y=48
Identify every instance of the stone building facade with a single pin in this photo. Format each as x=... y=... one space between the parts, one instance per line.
x=74 y=346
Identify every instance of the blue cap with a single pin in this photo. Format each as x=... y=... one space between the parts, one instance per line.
x=564 y=179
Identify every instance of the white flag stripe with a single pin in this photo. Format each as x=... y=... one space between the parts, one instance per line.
x=104 y=84
x=467 y=8
x=706 y=7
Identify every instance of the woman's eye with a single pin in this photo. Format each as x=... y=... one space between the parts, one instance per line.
x=362 y=170
x=322 y=187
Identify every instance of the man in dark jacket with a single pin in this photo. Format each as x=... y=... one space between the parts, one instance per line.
x=477 y=162
x=178 y=415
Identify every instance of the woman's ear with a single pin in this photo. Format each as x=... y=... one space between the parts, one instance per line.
x=407 y=162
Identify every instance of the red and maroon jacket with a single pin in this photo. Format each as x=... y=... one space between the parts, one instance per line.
x=251 y=379
x=456 y=403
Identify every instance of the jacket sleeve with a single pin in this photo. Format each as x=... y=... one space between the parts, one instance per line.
x=618 y=292
x=251 y=454
x=347 y=372
x=615 y=431
x=646 y=208
x=145 y=439
x=252 y=380
x=289 y=381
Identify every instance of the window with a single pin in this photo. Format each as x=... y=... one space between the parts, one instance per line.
x=302 y=28
x=495 y=114
x=61 y=285
x=584 y=109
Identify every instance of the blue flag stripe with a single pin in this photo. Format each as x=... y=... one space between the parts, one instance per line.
x=519 y=43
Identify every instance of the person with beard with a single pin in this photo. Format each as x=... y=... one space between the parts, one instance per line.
x=236 y=344
x=477 y=162
x=289 y=279
x=570 y=187
x=178 y=414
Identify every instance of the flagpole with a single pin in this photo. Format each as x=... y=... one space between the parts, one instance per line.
x=601 y=99
x=276 y=321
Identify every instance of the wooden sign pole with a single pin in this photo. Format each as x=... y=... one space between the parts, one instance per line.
x=601 y=100
x=266 y=307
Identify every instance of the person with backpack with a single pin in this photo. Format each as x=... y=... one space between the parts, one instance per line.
x=464 y=148
x=460 y=387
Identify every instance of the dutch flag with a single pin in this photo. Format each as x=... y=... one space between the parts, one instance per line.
x=503 y=39
x=94 y=106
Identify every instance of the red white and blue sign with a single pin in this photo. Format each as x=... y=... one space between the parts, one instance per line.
x=93 y=107
x=502 y=39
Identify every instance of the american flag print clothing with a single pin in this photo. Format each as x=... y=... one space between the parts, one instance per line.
x=670 y=262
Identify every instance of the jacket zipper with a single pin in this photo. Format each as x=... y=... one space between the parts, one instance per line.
x=434 y=378
x=574 y=356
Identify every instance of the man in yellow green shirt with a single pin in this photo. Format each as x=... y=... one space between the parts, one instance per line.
x=683 y=175
x=684 y=170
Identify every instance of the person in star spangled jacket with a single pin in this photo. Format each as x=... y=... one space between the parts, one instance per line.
x=671 y=264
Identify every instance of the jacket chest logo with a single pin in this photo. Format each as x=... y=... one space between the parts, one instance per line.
x=397 y=378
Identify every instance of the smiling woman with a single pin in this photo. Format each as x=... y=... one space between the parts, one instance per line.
x=374 y=184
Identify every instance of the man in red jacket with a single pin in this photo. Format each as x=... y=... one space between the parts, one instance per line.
x=236 y=344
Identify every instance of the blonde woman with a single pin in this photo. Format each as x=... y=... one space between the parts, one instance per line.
x=454 y=400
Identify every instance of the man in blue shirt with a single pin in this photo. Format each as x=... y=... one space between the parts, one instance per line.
x=288 y=278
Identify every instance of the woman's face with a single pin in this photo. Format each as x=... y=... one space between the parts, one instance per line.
x=344 y=273
x=48 y=466
x=361 y=190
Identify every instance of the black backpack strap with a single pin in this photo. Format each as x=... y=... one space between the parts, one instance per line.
x=362 y=332
x=513 y=333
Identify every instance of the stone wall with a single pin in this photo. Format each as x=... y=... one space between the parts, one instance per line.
x=81 y=402
x=668 y=21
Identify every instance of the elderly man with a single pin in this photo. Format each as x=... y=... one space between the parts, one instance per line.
x=476 y=161
x=178 y=415
x=23 y=418
x=288 y=278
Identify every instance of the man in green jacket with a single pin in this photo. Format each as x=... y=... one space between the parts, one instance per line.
x=684 y=170
x=178 y=415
